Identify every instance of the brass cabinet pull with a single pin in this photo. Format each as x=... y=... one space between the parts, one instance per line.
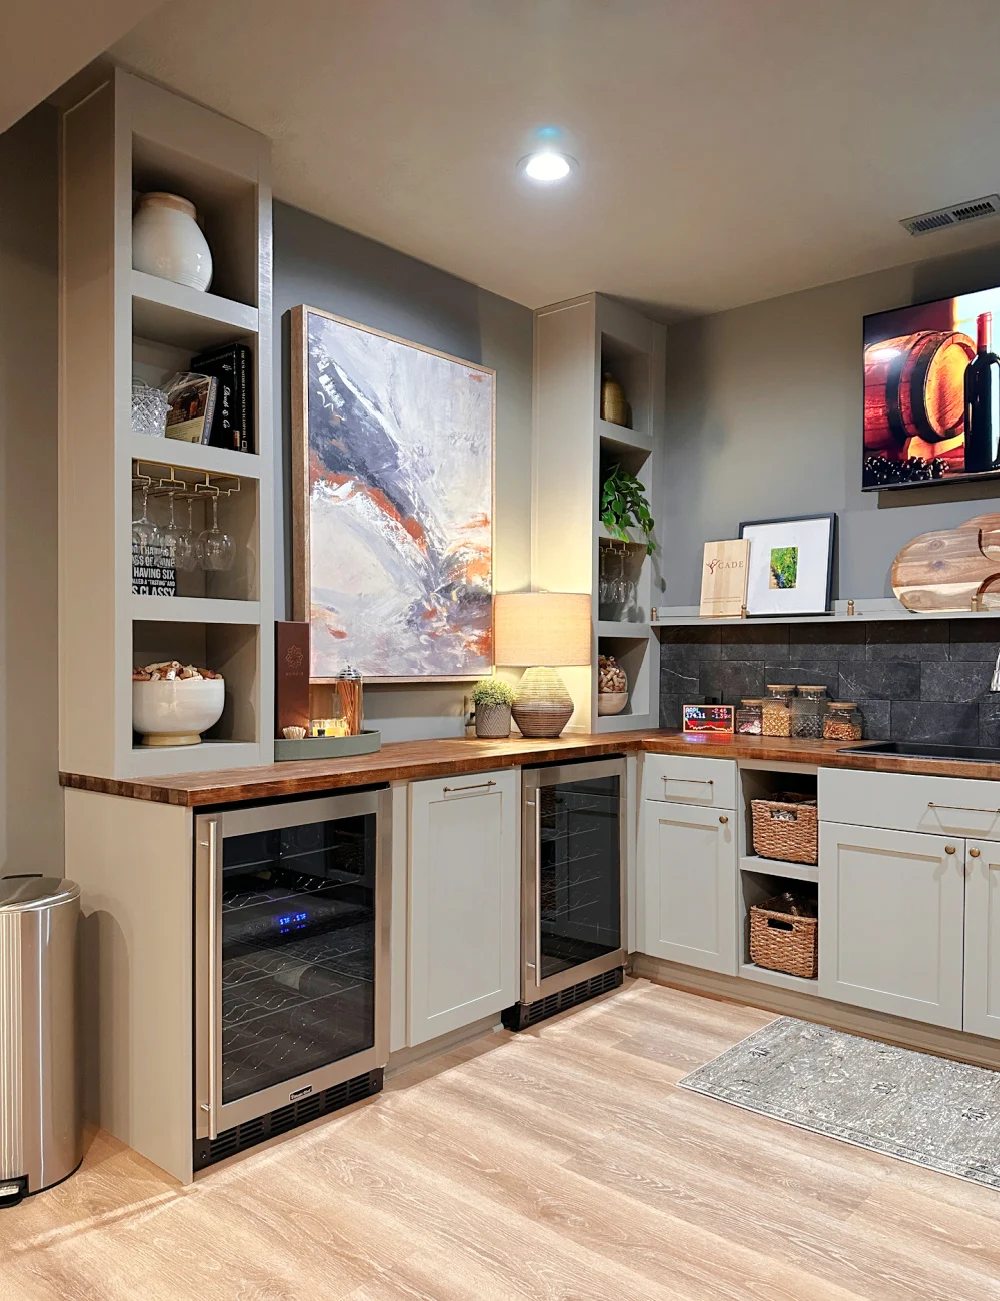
x=949 y=849
x=723 y=819
x=690 y=781
x=973 y=853
x=477 y=786
x=962 y=808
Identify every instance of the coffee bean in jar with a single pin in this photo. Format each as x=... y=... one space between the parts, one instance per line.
x=842 y=722
x=776 y=712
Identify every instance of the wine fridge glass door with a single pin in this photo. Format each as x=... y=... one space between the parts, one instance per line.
x=579 y=872
x=298 y=951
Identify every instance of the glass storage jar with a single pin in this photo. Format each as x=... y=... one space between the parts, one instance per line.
x=808 y=710
x=842 y=721
x=748 y=718
x=776 y=711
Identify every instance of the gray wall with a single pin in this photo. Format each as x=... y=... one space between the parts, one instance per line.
x=328 y=267
x=764 y=415
x=30 y=799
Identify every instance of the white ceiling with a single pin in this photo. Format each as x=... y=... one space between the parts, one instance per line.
x=49 y=41
x=729 y=150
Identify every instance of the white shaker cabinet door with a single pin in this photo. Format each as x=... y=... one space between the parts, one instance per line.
x=891 y=917
x=687 y=902
x=464 y=879
x=981 y=1013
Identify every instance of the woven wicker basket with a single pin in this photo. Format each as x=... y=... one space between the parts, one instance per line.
x=781 y=941
x=787 y=828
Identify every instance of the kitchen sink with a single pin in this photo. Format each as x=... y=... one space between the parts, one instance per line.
x=927 y=750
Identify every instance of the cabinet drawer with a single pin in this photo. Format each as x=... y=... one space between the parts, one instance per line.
x=705 y=783
x=941 y=806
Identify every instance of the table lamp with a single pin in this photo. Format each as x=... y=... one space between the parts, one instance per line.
x=539 y=631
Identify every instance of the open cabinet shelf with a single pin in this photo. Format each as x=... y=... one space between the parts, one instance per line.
x=124 y=137
x=575 y=342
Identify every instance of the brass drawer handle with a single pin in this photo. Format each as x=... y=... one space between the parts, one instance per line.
x=949 y=849
x=973 y=853
x=963 y=808
x=690 y=781
x=477 y=786
x=723 y=819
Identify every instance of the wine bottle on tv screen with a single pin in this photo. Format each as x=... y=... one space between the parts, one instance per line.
x=982 y=401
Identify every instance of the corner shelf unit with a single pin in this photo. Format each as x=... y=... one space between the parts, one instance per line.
x=125 y=136
x=573 y=448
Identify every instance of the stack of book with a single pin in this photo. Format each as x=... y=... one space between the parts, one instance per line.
x=213 y=402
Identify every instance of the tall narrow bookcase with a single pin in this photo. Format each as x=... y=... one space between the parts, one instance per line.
x=575 y=343
x=121 y=137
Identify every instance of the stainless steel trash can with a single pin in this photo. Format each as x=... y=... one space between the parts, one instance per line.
x=41 y=1136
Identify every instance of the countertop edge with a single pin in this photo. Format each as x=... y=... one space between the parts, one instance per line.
x=421 y=760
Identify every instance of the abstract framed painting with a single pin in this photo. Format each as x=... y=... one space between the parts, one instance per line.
x=392 y=520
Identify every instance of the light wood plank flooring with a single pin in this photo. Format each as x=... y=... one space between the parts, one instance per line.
x=557 y=1164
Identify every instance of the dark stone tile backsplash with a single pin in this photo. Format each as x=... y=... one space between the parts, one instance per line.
x=926 y=680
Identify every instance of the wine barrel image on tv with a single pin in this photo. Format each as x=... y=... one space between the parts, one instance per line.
x=914 y=389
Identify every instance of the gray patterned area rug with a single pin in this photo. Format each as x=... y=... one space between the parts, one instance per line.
x=936 y=1113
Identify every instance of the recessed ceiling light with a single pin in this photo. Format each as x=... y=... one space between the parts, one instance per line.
x=546 y=167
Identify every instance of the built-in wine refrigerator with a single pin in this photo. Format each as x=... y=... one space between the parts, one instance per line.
x=572 y=886
x=292 y=965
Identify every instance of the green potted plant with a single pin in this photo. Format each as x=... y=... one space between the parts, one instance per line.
x=493 y=700
x=624 y=505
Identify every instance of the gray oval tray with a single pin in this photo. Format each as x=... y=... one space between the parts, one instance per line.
x=327 y=747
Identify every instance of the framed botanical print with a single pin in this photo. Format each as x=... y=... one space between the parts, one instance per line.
x=790 y=565
x=393 y=447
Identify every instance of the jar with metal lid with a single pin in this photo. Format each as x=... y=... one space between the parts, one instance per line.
x=776 y=710
x=842 y=722
x=808 y=711
x=748 y=718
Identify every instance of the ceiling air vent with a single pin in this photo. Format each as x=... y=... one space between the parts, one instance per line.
x=957 y=215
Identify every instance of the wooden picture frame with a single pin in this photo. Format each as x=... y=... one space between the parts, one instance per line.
x=301 y=482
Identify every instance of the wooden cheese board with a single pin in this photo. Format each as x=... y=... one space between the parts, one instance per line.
x=951 y=569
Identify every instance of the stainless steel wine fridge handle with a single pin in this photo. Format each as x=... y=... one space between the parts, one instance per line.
x=212 y=1023
x=538 y=891
x=476 y=786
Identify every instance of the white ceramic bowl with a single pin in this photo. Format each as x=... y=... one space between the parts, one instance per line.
x=177 y=712
x=611 y=702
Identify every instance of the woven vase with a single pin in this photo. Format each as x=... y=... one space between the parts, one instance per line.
x=493 y=721
x=542 y=705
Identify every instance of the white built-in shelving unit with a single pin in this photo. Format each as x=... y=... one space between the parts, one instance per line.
x=121 y=137
x=873 y=609
x=573 y=448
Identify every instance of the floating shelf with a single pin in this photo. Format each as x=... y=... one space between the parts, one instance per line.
x=775 y=867
x=184 y=317
x=765 y=976
x=194 y=609
x=873 y=610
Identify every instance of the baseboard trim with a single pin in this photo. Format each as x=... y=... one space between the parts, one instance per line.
x=405 y=1058
x=955 y=1044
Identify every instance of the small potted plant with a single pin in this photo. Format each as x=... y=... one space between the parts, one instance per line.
x=493 y=700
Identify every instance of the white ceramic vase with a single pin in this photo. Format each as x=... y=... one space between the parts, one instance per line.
x=168 y=242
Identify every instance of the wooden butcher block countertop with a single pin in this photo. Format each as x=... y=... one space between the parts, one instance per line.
x=413 y=760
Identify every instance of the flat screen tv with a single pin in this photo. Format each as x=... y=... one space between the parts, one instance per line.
x=932 y=393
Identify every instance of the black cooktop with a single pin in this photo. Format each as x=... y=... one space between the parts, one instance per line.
x=927 y=750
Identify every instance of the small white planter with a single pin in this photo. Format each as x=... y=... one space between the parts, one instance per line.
x=177 y=712
x=167 y=241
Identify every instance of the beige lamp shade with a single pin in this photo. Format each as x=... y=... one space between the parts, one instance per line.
x=550 y=628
